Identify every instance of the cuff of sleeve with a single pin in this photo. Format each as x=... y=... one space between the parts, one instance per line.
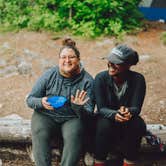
x=133 y=112
x=113 y=116
x=38 y=104
x=76 y=107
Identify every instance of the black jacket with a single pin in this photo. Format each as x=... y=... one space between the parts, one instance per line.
x=106 y=100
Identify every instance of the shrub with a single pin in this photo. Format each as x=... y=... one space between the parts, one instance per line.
x=163 y=38
x=89 y=18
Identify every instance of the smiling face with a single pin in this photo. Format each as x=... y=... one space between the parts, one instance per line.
x=69 y=63
x=116 y=69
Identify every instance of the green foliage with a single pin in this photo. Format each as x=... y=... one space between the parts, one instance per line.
x=163 y=38
x=89 y=18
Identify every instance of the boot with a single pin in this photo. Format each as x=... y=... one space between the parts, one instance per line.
x=99 y=164
x=128 y=163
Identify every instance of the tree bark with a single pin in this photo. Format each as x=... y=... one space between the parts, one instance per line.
x=13 y=128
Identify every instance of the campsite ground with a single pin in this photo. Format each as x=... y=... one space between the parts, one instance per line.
x=25 y=55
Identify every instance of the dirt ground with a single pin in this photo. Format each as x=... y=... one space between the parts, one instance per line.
x=44 y=47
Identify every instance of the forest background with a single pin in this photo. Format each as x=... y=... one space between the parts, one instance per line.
x=31 y=32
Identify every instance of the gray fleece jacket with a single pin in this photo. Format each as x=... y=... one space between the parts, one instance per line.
x=52 y=83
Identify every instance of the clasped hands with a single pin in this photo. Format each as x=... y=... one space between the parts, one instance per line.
x=123 y=114
x=79 y=99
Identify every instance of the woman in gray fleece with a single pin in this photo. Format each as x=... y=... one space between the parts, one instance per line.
x=68 y=81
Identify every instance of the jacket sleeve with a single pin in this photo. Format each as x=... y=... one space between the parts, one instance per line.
x=101 y=99
x=38 y=91
x=138 y=94
x=89 y=105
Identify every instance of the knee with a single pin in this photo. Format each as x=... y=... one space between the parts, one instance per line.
x=138 y=124
x=40 y=133
x=73 y=135
x=41 y=125
x=103 y=127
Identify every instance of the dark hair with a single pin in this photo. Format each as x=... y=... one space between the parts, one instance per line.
x=69 y=43
x=135 y=59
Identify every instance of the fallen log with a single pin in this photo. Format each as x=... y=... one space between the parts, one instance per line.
x=14 y=128
x=15 y=131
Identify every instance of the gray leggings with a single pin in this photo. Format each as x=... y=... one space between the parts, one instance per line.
x=44 y=127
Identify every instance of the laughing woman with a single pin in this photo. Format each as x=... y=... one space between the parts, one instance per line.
x=119 y=93
x=59 y=98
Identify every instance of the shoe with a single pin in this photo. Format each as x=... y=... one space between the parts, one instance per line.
x=99 y=164
x=127 y=164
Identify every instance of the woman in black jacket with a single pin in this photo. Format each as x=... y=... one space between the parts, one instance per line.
x=119 y=96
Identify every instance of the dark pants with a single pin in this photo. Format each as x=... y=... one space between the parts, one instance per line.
x=44 y=129
x=126 y=136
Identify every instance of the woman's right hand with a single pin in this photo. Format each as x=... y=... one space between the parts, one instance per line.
x=120 y=118
x=123 y=114
x=46 y=105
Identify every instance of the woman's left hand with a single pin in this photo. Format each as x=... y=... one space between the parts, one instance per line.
x=79 y=98
x=124 y=111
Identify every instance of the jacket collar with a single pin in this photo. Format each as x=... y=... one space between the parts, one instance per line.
x=129 y=79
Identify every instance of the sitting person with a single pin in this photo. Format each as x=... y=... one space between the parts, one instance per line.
x=68 y=81
x=119 y=94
